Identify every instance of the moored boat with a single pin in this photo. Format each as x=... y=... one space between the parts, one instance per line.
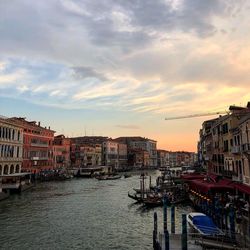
x=135 y=197
x=107 y=177
x=203 y=224
x=127 y=175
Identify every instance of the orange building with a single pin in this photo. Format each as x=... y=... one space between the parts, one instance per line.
x=37 y=146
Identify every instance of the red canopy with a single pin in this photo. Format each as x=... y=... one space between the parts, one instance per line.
x=242 y=188
x=204 y=186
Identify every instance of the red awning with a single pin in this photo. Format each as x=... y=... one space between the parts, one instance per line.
x=242 y=188
x=203 y=186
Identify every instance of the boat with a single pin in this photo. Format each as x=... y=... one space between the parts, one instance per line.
x=107 y=177
x=203 y=224
x=127 y=175
x=153 y=202
x=135 y=197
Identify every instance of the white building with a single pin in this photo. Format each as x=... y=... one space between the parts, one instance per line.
x=110 y=153
x=11 y=147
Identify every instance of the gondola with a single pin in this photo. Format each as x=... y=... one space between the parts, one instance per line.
x=135 y=197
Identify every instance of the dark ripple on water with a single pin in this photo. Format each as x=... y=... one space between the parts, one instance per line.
x=77 y=214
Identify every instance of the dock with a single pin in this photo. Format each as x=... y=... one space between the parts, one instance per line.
x=170 y=240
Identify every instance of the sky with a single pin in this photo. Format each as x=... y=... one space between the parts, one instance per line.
x=119 y=67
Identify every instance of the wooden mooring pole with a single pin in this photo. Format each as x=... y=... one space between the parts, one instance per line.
x=165 y=222
x=184 y=245
x=173 y=219
x=155 y=232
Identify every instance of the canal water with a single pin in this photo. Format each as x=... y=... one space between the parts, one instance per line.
x=79 y=214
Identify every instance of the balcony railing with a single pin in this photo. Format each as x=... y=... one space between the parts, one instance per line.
x=37 y=158
x=37 y=144
x=238 y=178
x=235 y=149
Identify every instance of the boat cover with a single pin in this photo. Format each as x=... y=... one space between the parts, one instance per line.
x=206 y=225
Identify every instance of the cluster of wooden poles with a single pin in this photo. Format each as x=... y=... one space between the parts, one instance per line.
x=184 y=236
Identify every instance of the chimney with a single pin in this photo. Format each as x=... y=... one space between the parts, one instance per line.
x=49 y=127
x=39 y=124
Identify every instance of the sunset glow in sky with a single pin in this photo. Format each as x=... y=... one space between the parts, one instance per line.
x=119 y=67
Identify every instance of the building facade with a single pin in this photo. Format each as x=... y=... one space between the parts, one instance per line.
x=138 y=158
x=37 y=146
x=61 y=152
x=163 y=158
x=110 y=153
x=11 y=147
x=143 y=144
x=122 y=156
x=224 y=145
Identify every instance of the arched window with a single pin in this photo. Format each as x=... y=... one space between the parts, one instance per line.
x=17 y=168
x=12 y=169
x=18 y=135
x=0 y=132
x=1 y=170
x=6 y=169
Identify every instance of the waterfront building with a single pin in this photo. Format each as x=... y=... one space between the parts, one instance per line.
x=220 y=144
x=138 y=158
x=141 y=143
x=163 y=158
x=244 y=128
x=110 y=153
x=37 y=145
x=182 y=158
x=86 y=151
x=61 y=152
x=122 y=156
x=11 y=146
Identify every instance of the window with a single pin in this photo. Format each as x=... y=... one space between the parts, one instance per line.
x=226 y=146
x=225 y=128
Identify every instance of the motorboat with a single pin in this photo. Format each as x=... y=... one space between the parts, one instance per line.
x=203 y=224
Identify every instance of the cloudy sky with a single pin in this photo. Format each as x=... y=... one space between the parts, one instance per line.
x=119 y=67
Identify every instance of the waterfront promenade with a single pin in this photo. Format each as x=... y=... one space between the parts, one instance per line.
x=77 y=214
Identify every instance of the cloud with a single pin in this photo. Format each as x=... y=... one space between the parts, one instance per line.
x=87 y=72
x=136 y=56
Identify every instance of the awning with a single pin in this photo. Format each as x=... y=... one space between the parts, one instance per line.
x=242 y=188
x=203 y=186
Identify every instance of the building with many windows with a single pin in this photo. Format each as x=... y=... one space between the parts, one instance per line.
x=110 y=153
x=61 y=152
x=37 y=145
x=11 y=146
x=223 y=144
x=86 y=151
x=143 y=144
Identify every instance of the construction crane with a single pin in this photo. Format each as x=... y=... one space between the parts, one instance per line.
x=197 y=115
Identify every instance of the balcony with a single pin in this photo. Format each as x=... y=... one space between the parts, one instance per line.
x=238 y=178
x=37 y=144
x=37 y=158
x=235 y=149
